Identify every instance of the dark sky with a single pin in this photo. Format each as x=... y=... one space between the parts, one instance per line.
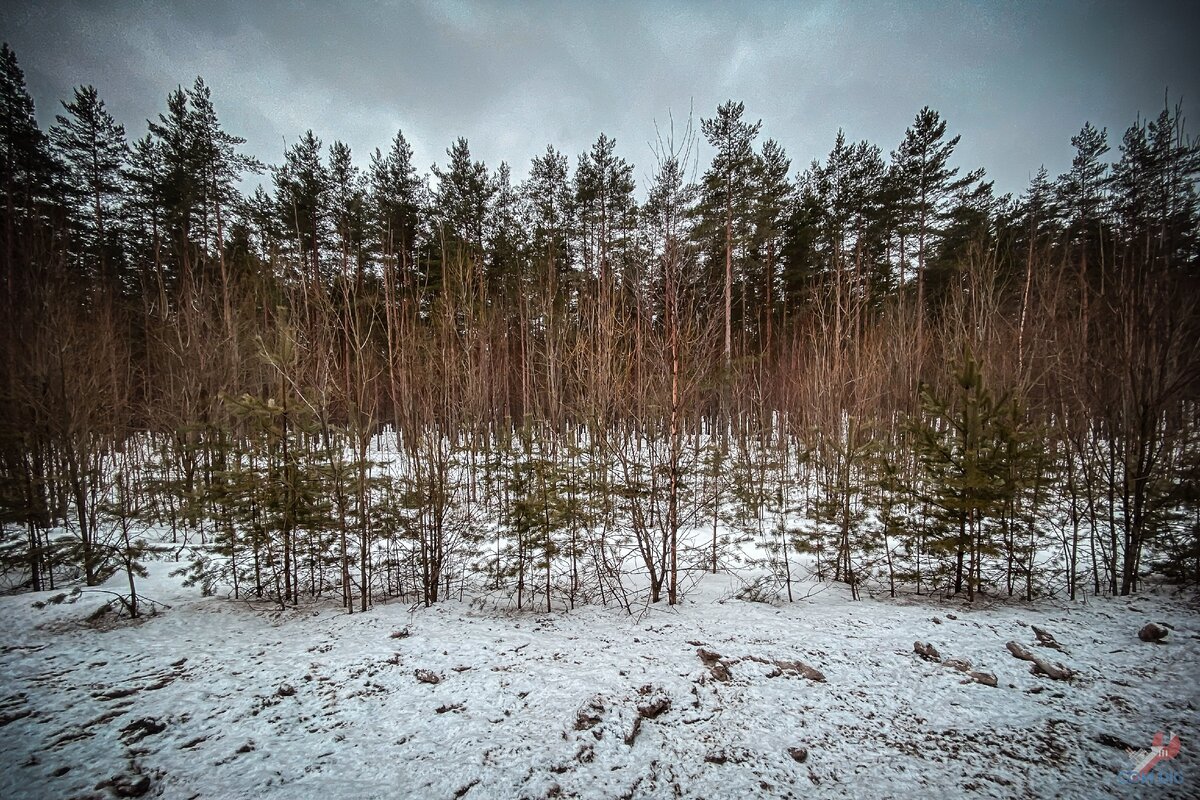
x=1016 y=80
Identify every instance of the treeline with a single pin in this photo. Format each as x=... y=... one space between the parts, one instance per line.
x=364 y=379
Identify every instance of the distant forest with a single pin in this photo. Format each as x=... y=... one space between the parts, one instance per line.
x=367 y=381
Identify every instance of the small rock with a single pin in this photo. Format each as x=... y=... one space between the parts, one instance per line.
x=631 y=737
x=798 y=754
x=960 y=664
x=654 y=706
x=285 y=690
x=1152 y=632
x=951 y=616
x=130 y=785
x=140 y=729
x=986 y=678
x=403 y=633
x=813 y=674
x=937 y=621
x=926 y=651
x=427 y=676
x=248 y=747
x=800 y=668
x=590 y=715
x=1108 y=740
x=716 y=757
x=1045 y=638
x=716 y=665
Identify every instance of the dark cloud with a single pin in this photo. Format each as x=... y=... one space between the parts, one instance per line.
x=1015 y=80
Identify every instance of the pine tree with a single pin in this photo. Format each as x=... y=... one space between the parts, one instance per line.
x=604 y=203
x=845 y=195
x=958 y=443
x=1025 y=466
x=274 y=499
x=967 y=229
x=726 y=206
x=178 y=188
x=1155 y=195
x=92 y=148
x=772 y=200
x=1152 y=329
x=25 y=168
x=144 y=218
x=667 y=221
x=396 y=198
x=507 y=239
x=670 y=203
x=28 y=454
x=301 y=196
x=925 y=187
x=218 y=167
x=896 y=532
x=549 y=205
x=461 y=200
x=124 y=521
x=1080 y=192
x=347 y=198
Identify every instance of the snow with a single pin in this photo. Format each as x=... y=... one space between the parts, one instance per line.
x=542 y=705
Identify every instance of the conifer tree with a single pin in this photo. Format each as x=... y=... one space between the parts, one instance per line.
x=25 y=168
x=301 y=196
x=143 y=213
x=1080 y=192
x=772 y=199
x=549 y=205
x=727 y=200
x=347 y=198
x=91 y=146
x=178 y=189
x=396 y=199
x=957 y=442
x=507 y=240
x=924 y=186
x=218 y=166
x=604 y=203
x=29 y=456
x=461 y=201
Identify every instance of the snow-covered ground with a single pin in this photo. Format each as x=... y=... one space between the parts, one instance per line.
x=215 y=698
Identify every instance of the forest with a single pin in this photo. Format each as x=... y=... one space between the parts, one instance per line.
x=346 y=376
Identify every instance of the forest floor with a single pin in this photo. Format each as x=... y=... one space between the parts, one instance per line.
x=214 y=698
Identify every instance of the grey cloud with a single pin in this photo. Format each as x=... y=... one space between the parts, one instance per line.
x=1017 y=81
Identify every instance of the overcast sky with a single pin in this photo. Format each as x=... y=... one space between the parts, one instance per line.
x=1016 y=80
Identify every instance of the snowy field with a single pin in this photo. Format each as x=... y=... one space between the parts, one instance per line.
x=719 y=698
